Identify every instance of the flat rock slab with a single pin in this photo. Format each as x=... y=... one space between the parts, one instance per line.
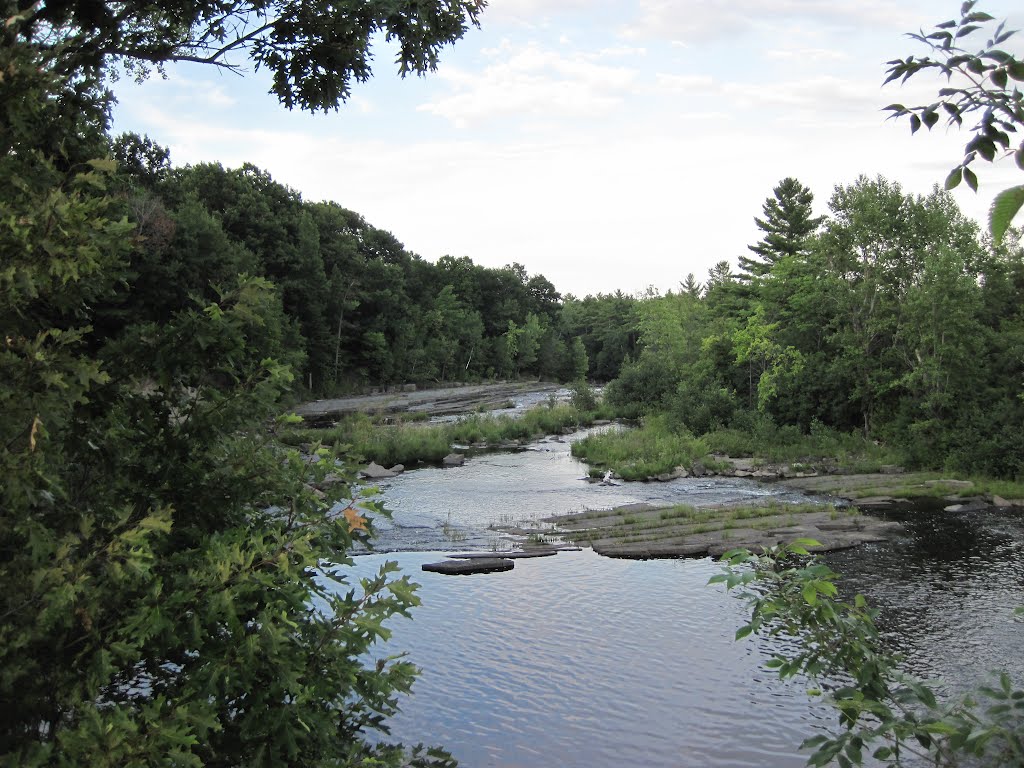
x=436 y=402
x=467 y=567
x=505 y=555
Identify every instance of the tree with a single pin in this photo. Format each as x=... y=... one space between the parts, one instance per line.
x=977 y=82
x=313 y=50
x=161 y=557
x=787 y=225
x=691 y=287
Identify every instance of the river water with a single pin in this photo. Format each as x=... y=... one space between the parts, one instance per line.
x=582 y=660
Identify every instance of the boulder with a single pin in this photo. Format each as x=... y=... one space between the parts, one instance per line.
x=999 y=501
x=397 y=469
x=675 y=474
x=467 y=567
x=697 y=469
x=975 y=505
x=376 y=472
x=454 y=460
x=742 y=465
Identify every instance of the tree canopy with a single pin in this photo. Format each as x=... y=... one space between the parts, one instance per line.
x=314 y=50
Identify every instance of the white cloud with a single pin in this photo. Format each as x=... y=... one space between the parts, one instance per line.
x=532 y=81
x=699 y=20
x=626 y=165
x=805 y=55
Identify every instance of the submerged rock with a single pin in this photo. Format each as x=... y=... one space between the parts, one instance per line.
x=974 y=505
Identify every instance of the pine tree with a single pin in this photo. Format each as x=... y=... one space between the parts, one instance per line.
x=691 y=287
x=787 y=224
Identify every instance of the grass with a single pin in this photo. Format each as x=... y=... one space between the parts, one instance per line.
x=789 y=445
x=931 y=485
x=656 y=448
x=637 y=454
x=406 y=442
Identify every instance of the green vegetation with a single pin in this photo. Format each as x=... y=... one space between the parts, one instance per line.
x=657 y=447
x=882 y=711
x=161 y=555
x=406 y=443
x=887 y=336
x=636 y=454
x=976 y=80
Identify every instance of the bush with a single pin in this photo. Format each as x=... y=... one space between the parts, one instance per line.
x=583 y=397
x=702 y=406
x=642 y=387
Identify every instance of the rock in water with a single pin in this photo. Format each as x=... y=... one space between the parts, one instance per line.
x=454 y=460
x=466 y=567
x=376 y=472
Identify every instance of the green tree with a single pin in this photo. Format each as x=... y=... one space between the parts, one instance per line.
x=314 y=51
x=978 y=82
x=787 y=225
x=691 y=287
x=161 y=560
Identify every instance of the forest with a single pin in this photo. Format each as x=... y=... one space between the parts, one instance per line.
x=891 y=315
x=161 y=548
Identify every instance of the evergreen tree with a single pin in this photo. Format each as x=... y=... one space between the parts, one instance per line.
x=691 y=287
x=787 y=224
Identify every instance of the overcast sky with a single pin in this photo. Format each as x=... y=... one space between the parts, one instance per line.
x=607 y=145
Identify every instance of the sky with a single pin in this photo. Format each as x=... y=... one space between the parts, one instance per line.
x=606 y=144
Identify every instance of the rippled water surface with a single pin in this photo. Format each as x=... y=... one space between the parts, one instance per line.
x=581 y=660
x=454 y=508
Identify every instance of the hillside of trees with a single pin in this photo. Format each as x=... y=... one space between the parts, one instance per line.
x=891 y=315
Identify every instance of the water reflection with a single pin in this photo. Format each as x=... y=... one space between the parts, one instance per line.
x=946 y=591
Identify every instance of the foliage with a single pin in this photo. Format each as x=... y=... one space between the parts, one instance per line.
x=314 y=51
x=174 y=588
x=882 y=711
x=407 y=443
x=637 y=454
x=583 y=397
x=979 y=82
x=787 y=225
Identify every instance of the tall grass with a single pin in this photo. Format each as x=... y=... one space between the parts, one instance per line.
x=404 y=442
x=637 y=454
x=785 y=445
x=656 y=448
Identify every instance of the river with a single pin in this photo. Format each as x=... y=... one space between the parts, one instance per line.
x=581 y=660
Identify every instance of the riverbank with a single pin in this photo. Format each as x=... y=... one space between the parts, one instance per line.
x=410 y=402
x=642 y=531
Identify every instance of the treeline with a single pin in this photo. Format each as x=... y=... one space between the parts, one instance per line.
x=890 y=316
x=357 y=308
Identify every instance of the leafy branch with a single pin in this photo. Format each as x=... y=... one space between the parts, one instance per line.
x=982 y=80
x=793 y=595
